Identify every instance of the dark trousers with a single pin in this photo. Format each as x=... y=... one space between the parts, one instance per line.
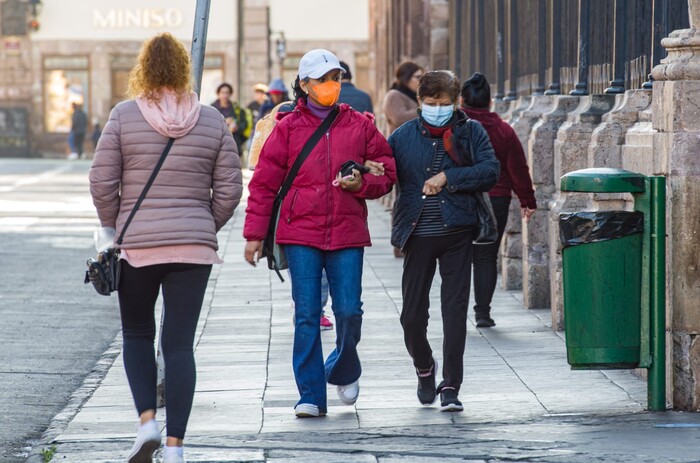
x=421 y=256
x=183 y=292
x=485 y=258
x=78 y=140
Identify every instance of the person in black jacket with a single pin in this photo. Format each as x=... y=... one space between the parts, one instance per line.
x=434 y=222
x=356 y=98
x=78 y=129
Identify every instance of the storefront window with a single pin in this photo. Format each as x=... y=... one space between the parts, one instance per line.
x=212 y=77
x=66 y=81
x=121 y=66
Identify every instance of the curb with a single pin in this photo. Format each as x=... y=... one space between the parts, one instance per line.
x=92 y=381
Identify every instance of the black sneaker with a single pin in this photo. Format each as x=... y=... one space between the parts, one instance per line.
x=449 y=402
x=485 y=322
x=426 y=385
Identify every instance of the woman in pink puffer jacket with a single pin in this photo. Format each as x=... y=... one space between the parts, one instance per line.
x=171 y=242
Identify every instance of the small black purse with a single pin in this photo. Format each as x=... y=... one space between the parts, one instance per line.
x=104 y=270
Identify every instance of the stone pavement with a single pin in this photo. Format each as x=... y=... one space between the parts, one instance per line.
x=522 y=402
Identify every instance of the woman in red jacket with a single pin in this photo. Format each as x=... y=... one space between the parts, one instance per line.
x=322 y=223
x=476 y=101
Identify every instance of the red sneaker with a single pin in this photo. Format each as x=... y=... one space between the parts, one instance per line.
x=326 y=324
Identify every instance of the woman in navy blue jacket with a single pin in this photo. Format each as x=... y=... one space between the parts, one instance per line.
x=434 y=221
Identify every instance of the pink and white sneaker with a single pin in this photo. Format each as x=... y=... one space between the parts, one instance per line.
x=326 y=323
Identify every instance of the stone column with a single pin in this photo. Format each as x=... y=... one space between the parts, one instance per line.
x=676 y=117
x=256 y=64
x=540 y=153
x=606 y=144
x=571 y=153
x=512 y=257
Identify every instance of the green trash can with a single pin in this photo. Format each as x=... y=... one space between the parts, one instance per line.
x=602 y=274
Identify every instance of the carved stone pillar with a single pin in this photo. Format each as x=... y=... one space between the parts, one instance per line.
x=571 y=153
x=676 y=117
x=540 y=153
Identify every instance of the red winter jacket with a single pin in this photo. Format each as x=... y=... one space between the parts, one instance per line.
x=509 y=152
x=315 y=213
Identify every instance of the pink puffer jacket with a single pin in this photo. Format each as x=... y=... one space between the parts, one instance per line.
x=196 y=190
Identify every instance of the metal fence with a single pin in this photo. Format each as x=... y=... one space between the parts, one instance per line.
x=581 y=47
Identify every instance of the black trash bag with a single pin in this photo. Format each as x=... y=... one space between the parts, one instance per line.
x=591 y=227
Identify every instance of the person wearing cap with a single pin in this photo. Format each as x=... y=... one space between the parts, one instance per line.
x=259 y=97
x=277 y=93
x=356 y=98
x=322 y=223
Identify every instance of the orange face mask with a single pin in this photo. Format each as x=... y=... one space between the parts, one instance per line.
x=327 y=93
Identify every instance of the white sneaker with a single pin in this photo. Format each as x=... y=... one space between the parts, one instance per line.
x=308 y=411
x=348 y=394
x=73 y=156
x=173 y=458
x=147 y=442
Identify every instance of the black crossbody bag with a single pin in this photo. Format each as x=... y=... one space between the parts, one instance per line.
x=276 y=258
x=104 y=271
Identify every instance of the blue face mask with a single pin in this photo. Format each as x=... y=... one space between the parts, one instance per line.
x=437 y=115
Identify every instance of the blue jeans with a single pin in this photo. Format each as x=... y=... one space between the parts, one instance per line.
x=344 y=272
x=324 y=288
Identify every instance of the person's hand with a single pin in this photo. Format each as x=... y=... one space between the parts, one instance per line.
x=375 y=168
x=434 y=184
x=526 y=213
x=233 y=127
x=351 y=184
x=253 y=252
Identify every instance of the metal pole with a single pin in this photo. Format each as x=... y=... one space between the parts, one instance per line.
x=239 y=59
x=199 y=42
x=513 y=51
x=556 y=39
x=659 y=31
x=458 y=38
x=617 y=85
x=500 y=63
x=472 y=38
x=656 y=378
x=482 y=37
x=542 y=46
x=583 y=52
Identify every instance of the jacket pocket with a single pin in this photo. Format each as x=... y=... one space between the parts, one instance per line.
x=290 y=214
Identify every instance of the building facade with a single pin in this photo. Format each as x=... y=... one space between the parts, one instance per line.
x=56 y=53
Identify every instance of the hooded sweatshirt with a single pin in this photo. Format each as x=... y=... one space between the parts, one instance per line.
x=171 y=116
x=515 y=174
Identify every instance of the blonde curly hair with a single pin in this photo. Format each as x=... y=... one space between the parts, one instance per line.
x=162 y=64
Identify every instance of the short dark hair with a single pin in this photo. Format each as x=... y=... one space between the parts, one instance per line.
x=230 y=89
x=346 y=71
x=437 y=83
x=405 y=71
x=476 y=92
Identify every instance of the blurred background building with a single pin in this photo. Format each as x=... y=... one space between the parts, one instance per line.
x=58 y=52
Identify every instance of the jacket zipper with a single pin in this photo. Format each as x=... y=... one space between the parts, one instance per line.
x=329 y=188
x=415 y=224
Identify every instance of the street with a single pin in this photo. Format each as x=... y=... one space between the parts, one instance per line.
x=53 y=328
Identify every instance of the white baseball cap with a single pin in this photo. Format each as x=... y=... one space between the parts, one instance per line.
x=317 y=63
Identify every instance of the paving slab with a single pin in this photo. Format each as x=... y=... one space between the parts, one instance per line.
x=522 y=401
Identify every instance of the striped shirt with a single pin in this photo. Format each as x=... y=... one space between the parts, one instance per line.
x=430 y=220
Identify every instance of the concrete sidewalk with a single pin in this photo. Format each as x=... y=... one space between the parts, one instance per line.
x=522 y=402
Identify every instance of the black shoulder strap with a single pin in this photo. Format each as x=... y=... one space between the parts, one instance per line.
x=305 y=151
x=146 y=188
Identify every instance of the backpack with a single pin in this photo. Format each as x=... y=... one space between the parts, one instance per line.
x=263 y=129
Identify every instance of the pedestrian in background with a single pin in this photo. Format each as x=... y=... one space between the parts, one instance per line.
x=96 y=132
x=515 y=176
x=78 y=128
x=239 y=119
x=434 y=222
x=356 y=98
x=401 y=101
x=171 y=243
x=259 y=98
x=277 y=93
x=322 y=225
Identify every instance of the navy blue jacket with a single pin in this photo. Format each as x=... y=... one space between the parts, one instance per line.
x=414 y=150
x=356 y=98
